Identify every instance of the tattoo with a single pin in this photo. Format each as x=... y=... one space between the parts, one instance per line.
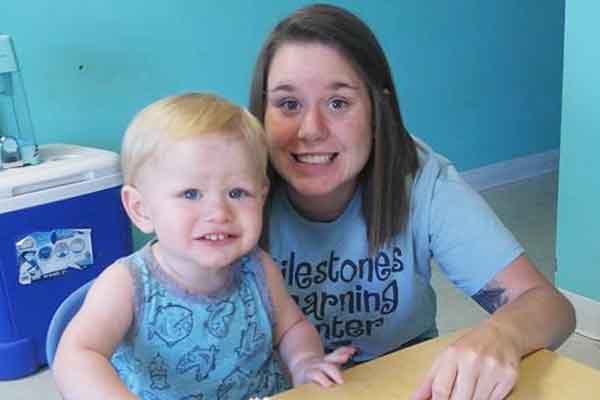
x=491 y=297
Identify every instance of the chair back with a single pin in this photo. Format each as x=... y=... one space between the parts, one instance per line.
x=65 y=312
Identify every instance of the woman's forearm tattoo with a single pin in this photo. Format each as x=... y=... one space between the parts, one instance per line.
x=491 y=297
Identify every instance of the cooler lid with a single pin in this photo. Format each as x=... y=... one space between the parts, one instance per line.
x=61 y=166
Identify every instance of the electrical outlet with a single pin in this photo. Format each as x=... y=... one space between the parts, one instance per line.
x=7 y=55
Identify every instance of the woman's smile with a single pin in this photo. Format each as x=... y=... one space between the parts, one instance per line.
x=314 y=158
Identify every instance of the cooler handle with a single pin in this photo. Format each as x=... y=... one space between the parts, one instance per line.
x=52 y=183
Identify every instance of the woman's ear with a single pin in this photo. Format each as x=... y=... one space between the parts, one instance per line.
x=134 y=205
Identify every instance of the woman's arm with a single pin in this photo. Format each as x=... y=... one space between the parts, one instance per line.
x=81 y=368
x=520 y=297
x=528 y=314
x=299 y=343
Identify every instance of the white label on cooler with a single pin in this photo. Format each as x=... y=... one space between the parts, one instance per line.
x=43 y=255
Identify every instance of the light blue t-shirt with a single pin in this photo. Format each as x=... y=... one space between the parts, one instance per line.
x=379 y=303
x=191 y=347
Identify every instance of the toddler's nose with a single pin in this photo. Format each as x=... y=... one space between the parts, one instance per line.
x=217 y=210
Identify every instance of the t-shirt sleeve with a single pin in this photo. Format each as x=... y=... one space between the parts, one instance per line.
x=467 y=240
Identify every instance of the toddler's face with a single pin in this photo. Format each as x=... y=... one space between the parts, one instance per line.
x=204 y=198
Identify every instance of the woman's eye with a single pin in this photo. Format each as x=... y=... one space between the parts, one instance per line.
x=191 y=194
x=237 y=193
x=289 y=105
x=338 y=104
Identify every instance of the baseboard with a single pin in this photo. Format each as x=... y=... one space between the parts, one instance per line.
x=588 y=314
x=510 y=171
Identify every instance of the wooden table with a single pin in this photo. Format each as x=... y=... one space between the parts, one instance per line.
x=543 y=375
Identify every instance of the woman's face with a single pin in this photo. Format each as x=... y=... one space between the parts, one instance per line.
x=318 y=117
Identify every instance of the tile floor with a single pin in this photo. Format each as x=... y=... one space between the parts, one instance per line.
x=528 y=209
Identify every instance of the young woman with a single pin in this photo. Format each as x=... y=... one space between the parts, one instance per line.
x=359 y=207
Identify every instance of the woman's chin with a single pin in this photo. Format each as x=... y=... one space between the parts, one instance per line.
x=312 y=189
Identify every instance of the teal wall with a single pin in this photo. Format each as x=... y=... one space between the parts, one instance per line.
x=479 y=80
x=578 y=243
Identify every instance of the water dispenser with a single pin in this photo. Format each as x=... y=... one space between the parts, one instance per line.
x=18 y=146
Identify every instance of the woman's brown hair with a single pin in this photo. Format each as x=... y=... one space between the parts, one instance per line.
x=393 y=160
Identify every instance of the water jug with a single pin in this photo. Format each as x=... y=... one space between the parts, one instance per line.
x=18 y=146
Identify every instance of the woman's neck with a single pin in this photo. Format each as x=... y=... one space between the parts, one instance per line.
x=322 y=208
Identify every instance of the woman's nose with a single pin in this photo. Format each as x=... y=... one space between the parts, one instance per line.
x=313 y=126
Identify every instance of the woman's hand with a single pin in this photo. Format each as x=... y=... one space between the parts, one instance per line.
x=483 y=364
x=323 y=370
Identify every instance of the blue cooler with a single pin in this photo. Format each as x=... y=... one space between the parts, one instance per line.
x=61 y=224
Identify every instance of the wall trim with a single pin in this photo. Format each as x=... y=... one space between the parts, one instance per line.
x=513 y=170
x=588 y=314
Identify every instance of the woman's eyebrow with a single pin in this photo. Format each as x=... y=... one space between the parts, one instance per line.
x=343 y=85
x=288 y=87
x=284 y=87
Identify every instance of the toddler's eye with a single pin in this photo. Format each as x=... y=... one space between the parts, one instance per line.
x=237 y=193
x=191 y=194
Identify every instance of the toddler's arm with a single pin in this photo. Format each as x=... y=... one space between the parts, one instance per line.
x=300 y=346
x=81 y=367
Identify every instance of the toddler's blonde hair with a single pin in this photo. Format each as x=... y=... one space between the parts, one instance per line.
x=184 y=116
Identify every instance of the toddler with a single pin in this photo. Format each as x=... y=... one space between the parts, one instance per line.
x=200 y=312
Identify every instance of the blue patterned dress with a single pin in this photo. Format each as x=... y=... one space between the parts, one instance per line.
x=191 y=347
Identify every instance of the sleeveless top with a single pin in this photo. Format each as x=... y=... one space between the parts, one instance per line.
x=184 y=346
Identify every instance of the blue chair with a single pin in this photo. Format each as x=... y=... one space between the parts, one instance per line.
x=65 y=312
